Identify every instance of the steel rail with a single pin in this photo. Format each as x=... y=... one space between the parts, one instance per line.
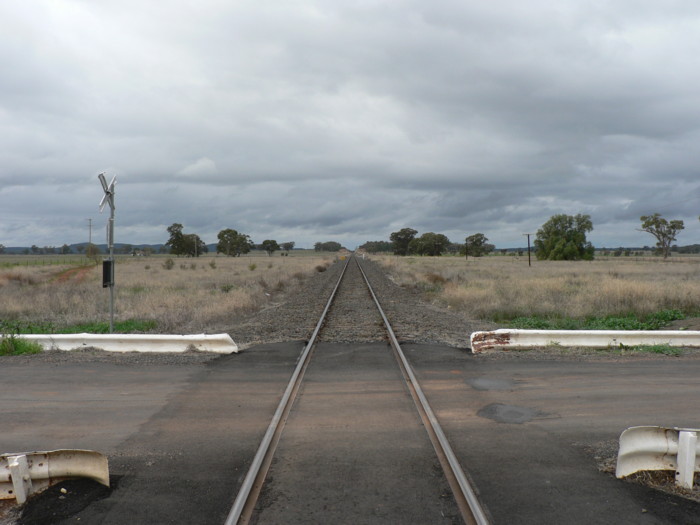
x=465 y=496
x=243 y=505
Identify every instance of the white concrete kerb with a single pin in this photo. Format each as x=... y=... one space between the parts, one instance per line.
x=217 y=343
x=507 y=339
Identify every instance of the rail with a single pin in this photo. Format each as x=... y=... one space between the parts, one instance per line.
x=465 y=496
x=252 y=484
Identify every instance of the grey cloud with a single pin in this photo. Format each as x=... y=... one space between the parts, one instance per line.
x=348 y=119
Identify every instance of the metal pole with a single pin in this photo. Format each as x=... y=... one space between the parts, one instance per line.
x=112 y=263
x=529 y=263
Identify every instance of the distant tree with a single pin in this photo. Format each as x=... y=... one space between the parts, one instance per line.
x=193 y=246
x=176 y=241
x=664 y=231
x=401 y=239
x=429 y=244
x=563 y=238
x=127 y=248
x=2 y=248
x=377 y=246
x=35 y=249
x=189 y=245
x=80 y=248
x=477 y=245
x=270 y=246
x=330 y=246
x=65 y=249
x=233 y=243
x=287 y=246
x=92 y=252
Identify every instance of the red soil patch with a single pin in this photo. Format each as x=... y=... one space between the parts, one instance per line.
x=78 y=274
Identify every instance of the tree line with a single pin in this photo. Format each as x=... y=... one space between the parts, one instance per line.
x=562 y=237
x=231 y=243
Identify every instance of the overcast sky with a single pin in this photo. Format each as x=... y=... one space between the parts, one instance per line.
x=347 y=120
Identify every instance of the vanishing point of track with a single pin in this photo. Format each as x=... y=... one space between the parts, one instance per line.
x=464 y=494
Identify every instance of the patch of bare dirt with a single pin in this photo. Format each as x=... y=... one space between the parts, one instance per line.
x=689 y=323
x=78 y=274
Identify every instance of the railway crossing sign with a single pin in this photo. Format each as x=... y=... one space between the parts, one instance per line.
x=108 y=264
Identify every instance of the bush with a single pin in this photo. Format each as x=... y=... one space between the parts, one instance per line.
x=252 y=267
x=10 y=344
x=169 y=264
x=13 y=345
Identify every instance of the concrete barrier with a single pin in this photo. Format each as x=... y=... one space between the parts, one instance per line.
x=25 y=473
x=660 y=448
x=507 y=339
x=218 y=343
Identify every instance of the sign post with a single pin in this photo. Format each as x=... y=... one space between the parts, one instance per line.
x=108 y=264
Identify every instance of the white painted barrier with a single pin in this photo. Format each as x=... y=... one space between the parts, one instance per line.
x=660 y=448
x=25 y=473
x=507 y=339
x=218 y=343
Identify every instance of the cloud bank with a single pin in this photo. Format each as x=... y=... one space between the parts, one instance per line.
x=317 y=121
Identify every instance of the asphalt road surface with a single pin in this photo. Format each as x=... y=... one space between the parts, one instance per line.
x=180 y=437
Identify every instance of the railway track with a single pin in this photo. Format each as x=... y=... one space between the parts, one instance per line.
x=328 y=418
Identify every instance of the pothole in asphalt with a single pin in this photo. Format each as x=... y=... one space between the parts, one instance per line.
x=509 y=413
x=63 y=500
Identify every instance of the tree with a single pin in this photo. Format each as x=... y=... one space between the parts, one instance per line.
x=232 y=243
x=180 y=243
x=287 y=246
x=477 y=245
x=377 y=246
x=429 y=244
x=563 y=238
x=270 y=246
x=401 y=239
x=2 y=248
x=330 y=246
x=92 y=252
x=664 y=231
x=65 y=249
x=193 y=245
x=176 y=242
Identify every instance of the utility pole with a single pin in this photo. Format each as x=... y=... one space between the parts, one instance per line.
x=529 y=263
x=108 y=265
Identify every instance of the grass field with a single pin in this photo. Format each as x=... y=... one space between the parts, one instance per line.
x=505 y=288
x=158 y=293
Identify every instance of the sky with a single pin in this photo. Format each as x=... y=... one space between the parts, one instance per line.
x=315 y=121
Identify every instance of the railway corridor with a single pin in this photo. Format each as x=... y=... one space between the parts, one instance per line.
x=354 y=448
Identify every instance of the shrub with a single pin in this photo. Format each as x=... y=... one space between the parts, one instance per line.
x=252 y=267
x=13 y=345
x=169 y=264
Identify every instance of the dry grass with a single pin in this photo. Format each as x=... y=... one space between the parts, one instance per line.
x=498 y=288
x=192 y=296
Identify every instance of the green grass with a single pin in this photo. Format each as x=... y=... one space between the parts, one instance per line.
x=128 y=326
x=664 y=349
x=653 y=321
x=13 y=345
